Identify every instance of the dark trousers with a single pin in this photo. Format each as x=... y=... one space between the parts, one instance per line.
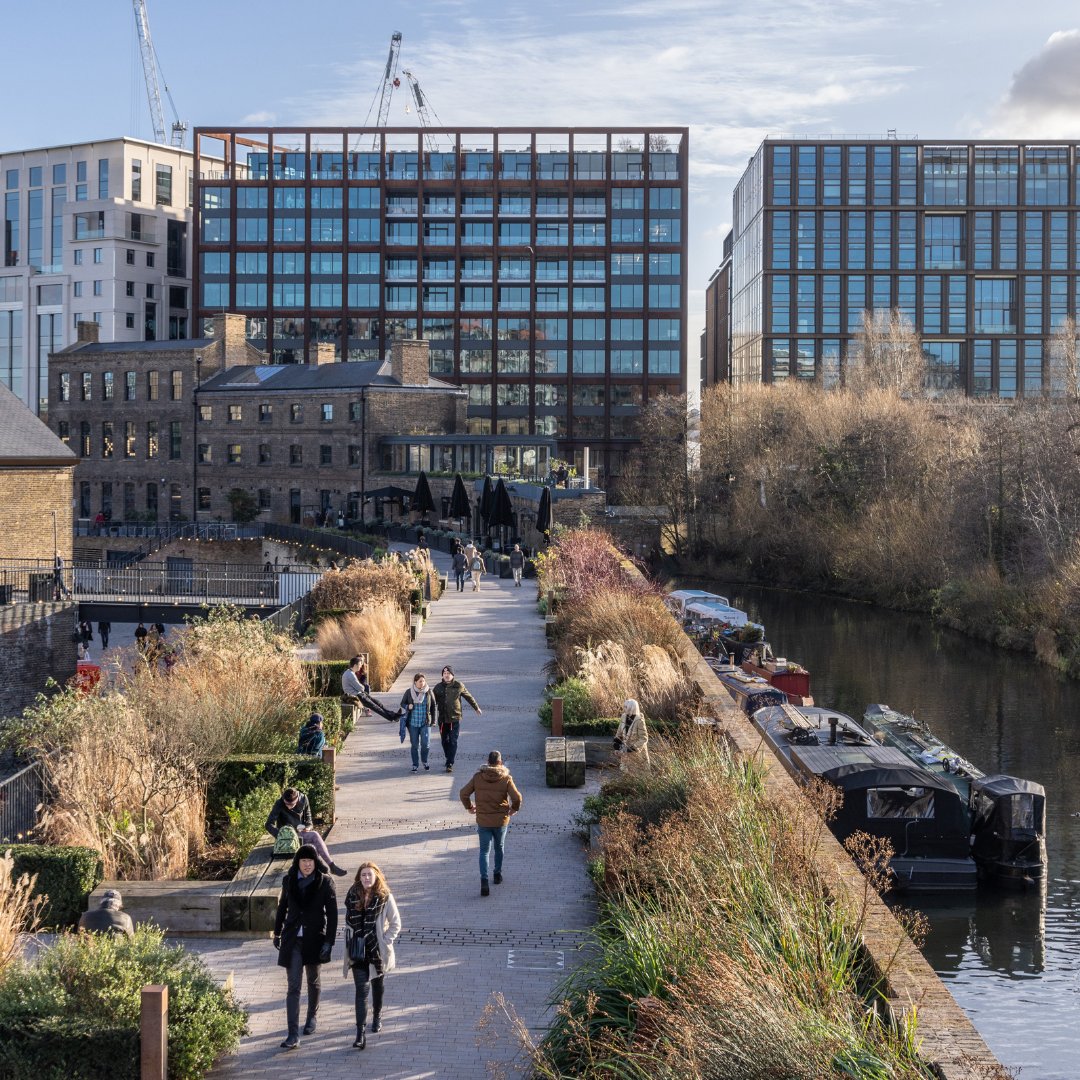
x=295 y=970
x=459 y=577
x=104 y=635
x=448 y=735
x=362 y=977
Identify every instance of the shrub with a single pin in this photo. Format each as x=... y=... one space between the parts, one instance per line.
x=363 y=584
x=236 y=776
x=74 y=1014
x=381 y=632
x=66 y=876
x=19 y=909
x=324 y=676
x=578 y=705
x=247 y=816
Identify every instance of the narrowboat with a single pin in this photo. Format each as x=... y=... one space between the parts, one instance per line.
x=784 y=674
x=749 y=692
x=885 y=794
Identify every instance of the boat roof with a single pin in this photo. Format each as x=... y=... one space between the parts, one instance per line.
x=857 y=775
x=999 y=784
x=690 y=594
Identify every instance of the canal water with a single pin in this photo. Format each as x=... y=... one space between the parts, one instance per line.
x=1011 y=960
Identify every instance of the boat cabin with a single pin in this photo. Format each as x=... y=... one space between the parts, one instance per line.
x=749 y=692
x=678 y=600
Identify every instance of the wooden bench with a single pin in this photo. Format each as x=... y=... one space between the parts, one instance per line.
x=564 y=762
x=178 y=907
x=249 y=901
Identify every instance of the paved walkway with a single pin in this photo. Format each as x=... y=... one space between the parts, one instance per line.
x=456 y=949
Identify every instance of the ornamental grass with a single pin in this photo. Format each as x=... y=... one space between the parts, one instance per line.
x=652 y=678
x=363 y=584
x=381 y=631
x=718 y=952
x=19 y=909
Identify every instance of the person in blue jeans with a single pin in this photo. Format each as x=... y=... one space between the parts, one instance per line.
x=461 y=568
x=496 y=801
x=418 y=719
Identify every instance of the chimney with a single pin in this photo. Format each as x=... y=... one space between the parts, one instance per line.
x=87 y=332
x=230 y=332
x=409 y=363
x=324 y=353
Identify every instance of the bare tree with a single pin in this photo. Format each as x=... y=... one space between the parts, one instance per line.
x=887 y=354
x=1063 y=364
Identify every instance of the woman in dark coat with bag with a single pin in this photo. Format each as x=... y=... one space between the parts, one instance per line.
x=304 y=933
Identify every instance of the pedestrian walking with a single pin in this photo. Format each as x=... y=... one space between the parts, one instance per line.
x=517 y=564
x=140 y=637
x=448 y=694
x=60 y=588
x=631 y=736
x=304 y=932
x=372 y=926
x=294 y=810
x=417 y=719
x=477 y=569
x=460 y=564
x=86 y=631
x=108 y=917
x=497 y=800
x=104 y=629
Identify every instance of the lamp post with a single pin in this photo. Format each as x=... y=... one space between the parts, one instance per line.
x=195 y=442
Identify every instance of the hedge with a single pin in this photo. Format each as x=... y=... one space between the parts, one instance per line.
x=325 y=676
x=68 y=1048
x=236 y=776
x=336 y=728
x=66 y=875
x=577 y=705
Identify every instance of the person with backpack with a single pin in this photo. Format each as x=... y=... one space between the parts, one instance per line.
x=312 y=738
x=497 y=800
x=292 y=812
x=304 y=932
x=477 y=568
x=448 y=694
x=460 y=564
x=418 y=717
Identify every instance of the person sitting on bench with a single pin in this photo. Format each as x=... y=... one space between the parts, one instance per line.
x=294 y=810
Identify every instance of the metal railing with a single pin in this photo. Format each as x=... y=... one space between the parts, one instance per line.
x=21 y=796
x=323 y=538
x=170 y=530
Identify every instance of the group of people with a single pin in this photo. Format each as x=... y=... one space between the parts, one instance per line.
x=468 y=559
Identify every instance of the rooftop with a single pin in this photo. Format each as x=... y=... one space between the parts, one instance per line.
x=346 y=376
x=24 y=439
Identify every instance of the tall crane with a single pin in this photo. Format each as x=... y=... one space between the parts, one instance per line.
x=390 y=81
x=150 y=74
x=422 y=111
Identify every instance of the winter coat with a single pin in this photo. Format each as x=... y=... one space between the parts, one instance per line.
x=411 y=710
x=311 y=741
x=313 y=908
x=103 y=920
x=517 y=560
x=461 y=562
x=387 y=928
x=299 y=817
x=448 y=697
x=496 y=796
x=632 y=732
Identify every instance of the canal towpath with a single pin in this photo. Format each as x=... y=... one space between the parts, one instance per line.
x=457 y=948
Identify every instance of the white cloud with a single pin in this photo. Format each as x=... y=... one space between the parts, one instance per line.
x=1043 y=100
x=262 y=117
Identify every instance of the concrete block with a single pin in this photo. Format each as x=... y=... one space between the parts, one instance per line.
x=575 y=763
x=555 y=762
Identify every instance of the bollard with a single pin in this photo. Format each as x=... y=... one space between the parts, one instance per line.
x=556 y=718
x=154 y=1033
x=329 y=755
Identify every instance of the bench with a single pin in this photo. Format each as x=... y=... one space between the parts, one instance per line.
x=179 y=907
x=249 y=901
x=564 y=762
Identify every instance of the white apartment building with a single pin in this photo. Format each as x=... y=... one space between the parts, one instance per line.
x=95 y=231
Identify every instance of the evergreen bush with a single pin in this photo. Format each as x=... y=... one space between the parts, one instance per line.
x=66 y=875
x=236 y=776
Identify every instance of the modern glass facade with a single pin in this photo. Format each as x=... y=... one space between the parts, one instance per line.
x=977 y=243
x=546 y=268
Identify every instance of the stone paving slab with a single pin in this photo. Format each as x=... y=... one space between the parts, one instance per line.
x=456 y=949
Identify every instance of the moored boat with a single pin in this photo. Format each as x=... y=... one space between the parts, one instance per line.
x=784 y=674
x=749 y=692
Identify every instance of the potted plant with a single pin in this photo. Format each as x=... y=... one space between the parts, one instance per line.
x=504 y=566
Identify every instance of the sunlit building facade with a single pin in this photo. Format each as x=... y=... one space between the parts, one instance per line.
x=975 y=242
x=546 y=268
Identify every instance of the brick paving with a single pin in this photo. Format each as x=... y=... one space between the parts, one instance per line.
x=456 y=949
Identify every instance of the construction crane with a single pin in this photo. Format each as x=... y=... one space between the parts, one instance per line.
x=422 y=111
x=390 y=81
x=150 y=74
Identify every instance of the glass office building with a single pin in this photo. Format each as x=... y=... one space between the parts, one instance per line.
x=976 y=243
x=545 y=267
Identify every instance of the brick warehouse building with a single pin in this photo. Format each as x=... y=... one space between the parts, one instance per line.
x=546 y=268
x=167 y=429
x=977 y=243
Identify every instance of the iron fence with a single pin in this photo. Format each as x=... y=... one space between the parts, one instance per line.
x=21 y=796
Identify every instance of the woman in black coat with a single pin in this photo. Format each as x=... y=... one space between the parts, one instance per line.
x=304 y=933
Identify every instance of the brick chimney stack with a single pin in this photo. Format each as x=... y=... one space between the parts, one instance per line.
x=324 y=353
x=409 y=363
x=230 y=331
x=88 y=332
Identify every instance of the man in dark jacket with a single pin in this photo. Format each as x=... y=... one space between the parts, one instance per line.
x=448 y=694
x=497 y=800
x=294 y=810
x=304 y=933
x=461 y=567
x=107 y=917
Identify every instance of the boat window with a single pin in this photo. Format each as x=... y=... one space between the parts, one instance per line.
x=900 y=803
x=1022 y=812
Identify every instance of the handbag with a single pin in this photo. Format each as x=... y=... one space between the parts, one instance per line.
x=357 y=948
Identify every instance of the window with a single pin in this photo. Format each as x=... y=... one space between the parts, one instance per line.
x=163 y=191
x=153 y=379
x=151 y=438
x=945 y=175
x=150 y=258
x=84 y=439
x=995 y=306
x=206 y=413
x=266 y=413
x=129 y=320
x=296 y=454
x=235 y=452
x=76 y=289
x=176 y=385
x=63 y=432
x=327 y=412
x=326 y=454
x=107 y=443
x=78 y=257
x=65 y=386
x=943 y=242
x=296 y=413
x=264 y=453
x=87 y=386
x=204 y=498
x=98 y=288
x=175 y=439
x=205 y=453
x=1046 y=175
x=106 y=386
x=354 y=455
x=996 y=172
x=103 y=178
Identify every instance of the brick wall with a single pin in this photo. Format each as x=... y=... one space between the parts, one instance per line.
x=35 y=644
x=29 y=496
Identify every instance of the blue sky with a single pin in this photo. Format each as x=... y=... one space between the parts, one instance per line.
x=733 y=72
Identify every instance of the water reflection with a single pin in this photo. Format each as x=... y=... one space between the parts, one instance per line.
x=1012 y=960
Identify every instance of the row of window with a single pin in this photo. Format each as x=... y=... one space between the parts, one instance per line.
x=35 y=176
x=950 y=176
x=370 y=198
x=365 y=230
x=935 y=304
x=129 y=438
x=85 y=384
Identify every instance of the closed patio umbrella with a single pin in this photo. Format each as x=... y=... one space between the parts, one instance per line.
x=460 y=507
x=486 y=500
x=543 y=512
x=502 y=512
x=422 y=499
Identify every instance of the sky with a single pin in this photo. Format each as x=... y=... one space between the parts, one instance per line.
x=732 y=72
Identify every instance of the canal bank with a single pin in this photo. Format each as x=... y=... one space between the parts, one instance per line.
x=1009 y=959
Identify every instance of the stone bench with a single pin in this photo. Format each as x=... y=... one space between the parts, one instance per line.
x=564 y=762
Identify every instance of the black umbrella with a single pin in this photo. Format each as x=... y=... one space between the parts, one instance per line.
x=459 y=499
x=486 y=500
x=422 y=500
x=543 y=512
x=502 y=511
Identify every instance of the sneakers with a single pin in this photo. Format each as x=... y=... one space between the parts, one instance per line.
x=415 y=769
x=485 y=889
x=291 y=1043
x=498 y=878
x=449 y=766
x=427 y=767
x=337 y=871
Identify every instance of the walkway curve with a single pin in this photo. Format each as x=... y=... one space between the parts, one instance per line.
x=457 y=949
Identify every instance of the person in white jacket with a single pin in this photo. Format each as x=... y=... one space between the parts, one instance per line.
x=372 y=926
x=632 y=737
